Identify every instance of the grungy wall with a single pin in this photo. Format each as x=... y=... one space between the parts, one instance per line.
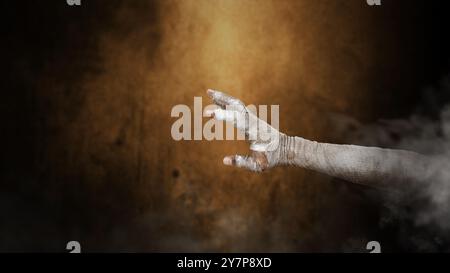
x=102 y=167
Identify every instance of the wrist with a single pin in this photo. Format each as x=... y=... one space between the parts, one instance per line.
x=288 y=149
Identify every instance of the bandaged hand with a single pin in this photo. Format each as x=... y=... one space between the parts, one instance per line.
x=266 y=142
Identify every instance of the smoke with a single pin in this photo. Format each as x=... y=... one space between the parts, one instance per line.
x=422 y=206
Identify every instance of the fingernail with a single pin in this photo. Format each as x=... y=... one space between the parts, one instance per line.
x=227 y=161
x=210 y=92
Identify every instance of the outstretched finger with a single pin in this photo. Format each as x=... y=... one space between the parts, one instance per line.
x=222 y=115
x=222 y=99
x=236 y=118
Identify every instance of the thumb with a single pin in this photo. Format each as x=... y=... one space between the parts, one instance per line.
x=247 y=162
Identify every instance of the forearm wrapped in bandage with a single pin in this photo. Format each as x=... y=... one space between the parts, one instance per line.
x=365 y=165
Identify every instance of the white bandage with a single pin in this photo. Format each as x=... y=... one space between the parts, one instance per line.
x=365 y=165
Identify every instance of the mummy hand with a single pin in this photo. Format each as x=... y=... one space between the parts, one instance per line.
x=265 y=141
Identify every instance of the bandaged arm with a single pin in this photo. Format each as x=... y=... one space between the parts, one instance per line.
x=365 y=165
x=370 y=166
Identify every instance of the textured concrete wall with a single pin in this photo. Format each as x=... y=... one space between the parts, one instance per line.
x=104 y=168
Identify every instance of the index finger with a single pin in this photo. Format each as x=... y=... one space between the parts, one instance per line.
x=222 y=99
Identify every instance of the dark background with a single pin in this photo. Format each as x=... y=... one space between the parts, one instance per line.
x=78 y=165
